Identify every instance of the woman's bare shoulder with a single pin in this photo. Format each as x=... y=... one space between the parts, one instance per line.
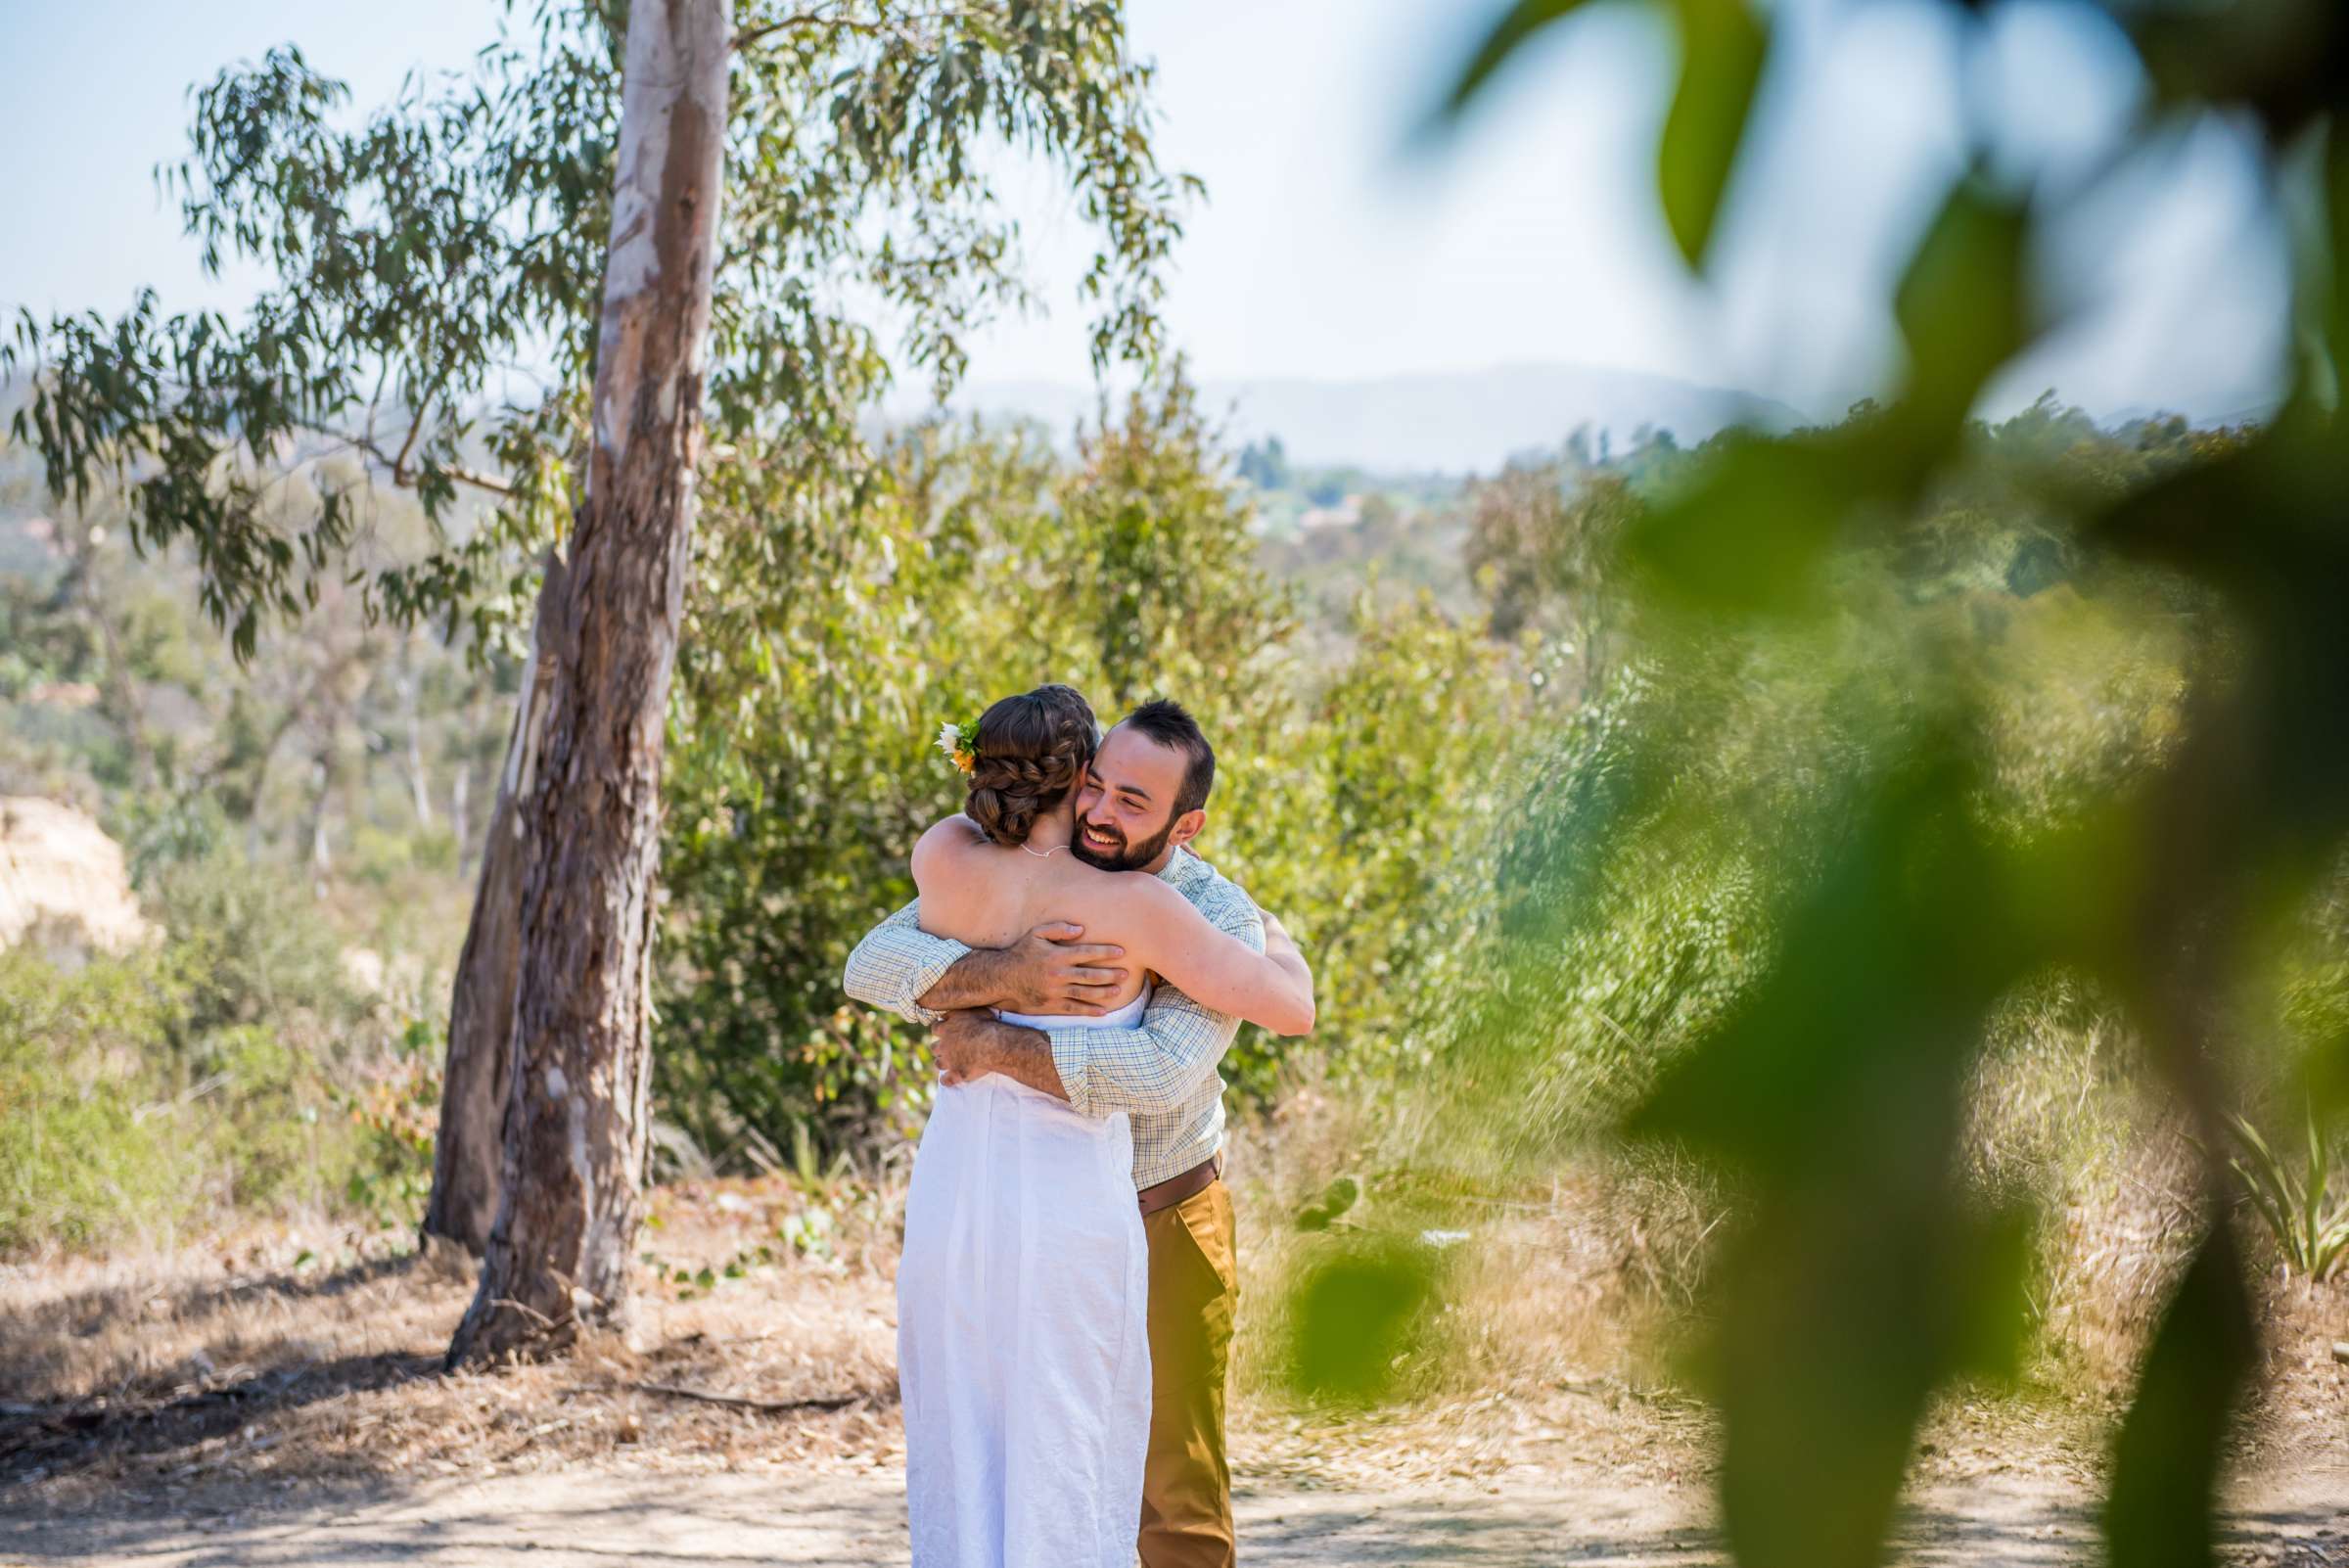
x=956 y=831
x=950 y=843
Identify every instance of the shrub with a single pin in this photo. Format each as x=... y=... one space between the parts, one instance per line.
x=227 y=1066
x=93 y=1137
x=1347 y=805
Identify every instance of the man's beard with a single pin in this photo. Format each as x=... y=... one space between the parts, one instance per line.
x=1126 y=856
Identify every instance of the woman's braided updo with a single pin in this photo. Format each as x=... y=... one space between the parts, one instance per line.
x=1031 y=750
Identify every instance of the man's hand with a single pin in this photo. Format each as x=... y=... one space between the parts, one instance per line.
x=970 y=1043
x=1046 y=971
x=1050 y=971
x=960 y=1044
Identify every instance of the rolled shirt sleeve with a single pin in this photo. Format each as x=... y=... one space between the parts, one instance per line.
x=898 y=962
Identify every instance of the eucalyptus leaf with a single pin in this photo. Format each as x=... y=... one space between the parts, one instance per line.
x=1512 y=26
x=2166 y=1461
x=1724 y=44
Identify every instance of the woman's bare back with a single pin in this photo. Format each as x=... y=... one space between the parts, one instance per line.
x=987 y=894
x=990 y=896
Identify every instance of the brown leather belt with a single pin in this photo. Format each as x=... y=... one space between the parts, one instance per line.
x=1172 y=1191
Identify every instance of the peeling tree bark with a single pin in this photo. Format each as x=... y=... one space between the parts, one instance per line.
x=475 y=1077
x=577 y=1108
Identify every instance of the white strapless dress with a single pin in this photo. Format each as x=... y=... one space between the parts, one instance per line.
x=1023 y=1329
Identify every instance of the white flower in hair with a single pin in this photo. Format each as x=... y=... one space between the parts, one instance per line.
x=960 y=743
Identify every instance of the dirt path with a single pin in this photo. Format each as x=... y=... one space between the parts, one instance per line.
x=584 y=1518
x=217 y=1408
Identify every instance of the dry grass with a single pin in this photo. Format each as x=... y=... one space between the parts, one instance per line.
x=2302 y=1408
x=309 y=1353
x=2060 y=1119
x=1564 y=1311
x=1557 y=1310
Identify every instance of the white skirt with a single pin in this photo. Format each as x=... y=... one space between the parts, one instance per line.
x=1022 y=1348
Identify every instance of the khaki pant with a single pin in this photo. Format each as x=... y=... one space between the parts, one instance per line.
x=1194 y=1287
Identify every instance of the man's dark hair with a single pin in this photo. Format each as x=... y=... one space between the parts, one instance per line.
x=1165 y=722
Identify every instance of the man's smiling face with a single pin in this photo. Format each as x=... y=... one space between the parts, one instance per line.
x=1125 y=808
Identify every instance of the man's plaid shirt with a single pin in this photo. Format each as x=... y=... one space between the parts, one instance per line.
x=1161 y=1072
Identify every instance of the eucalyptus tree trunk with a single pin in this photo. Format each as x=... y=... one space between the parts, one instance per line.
x=475 y=1078
x=577 y=1106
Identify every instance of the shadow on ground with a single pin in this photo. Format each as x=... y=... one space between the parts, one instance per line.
x=147 y=1371
x=59 y=1437
x=88 y=1315
x=783 y=1518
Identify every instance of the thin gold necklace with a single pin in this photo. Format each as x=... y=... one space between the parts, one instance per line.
x=1043 y=854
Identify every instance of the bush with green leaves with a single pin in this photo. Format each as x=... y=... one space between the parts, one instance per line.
x=225 y=1067
x=1350 y=803
x=1663 y=815
x=1367 y=816
x=1666 y=825
x=94 y=1138
x=2292 y=1193
x=1862 y=1276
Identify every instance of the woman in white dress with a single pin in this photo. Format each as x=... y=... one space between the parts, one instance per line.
x=1022 y=1357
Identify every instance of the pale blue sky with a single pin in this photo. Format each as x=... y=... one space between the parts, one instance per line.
x=1325 y=249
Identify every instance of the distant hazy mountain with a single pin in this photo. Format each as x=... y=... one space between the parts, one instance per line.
x=1469 y=421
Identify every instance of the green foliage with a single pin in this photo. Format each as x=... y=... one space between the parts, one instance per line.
x=419 y=253
x=1265 y=463
x=227 y=1066
x=90 y=1141
x=1398 y=549
x=1713 y=773
x=2311 y=989
x=1705 y=923
x=1861 y=1307
x=1358 y=1310
x=804 y=768
x=1859 y=1279
x=1158 y=561
x=345 y=756
x=1353 y=807
x=396 y=1110
x=1723 y=46
x=1368 y=821
x=253 y=945
x=1330 y=1207
x=2170 y=1452
x=2310 y=1229
x=1543 y=542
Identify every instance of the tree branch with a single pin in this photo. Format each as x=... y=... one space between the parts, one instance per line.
x=401 y=478
x=839 y=1401
x=749 y=36
x=399 y=464
x=867 y=28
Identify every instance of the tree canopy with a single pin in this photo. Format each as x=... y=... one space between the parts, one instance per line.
x=436 y=268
